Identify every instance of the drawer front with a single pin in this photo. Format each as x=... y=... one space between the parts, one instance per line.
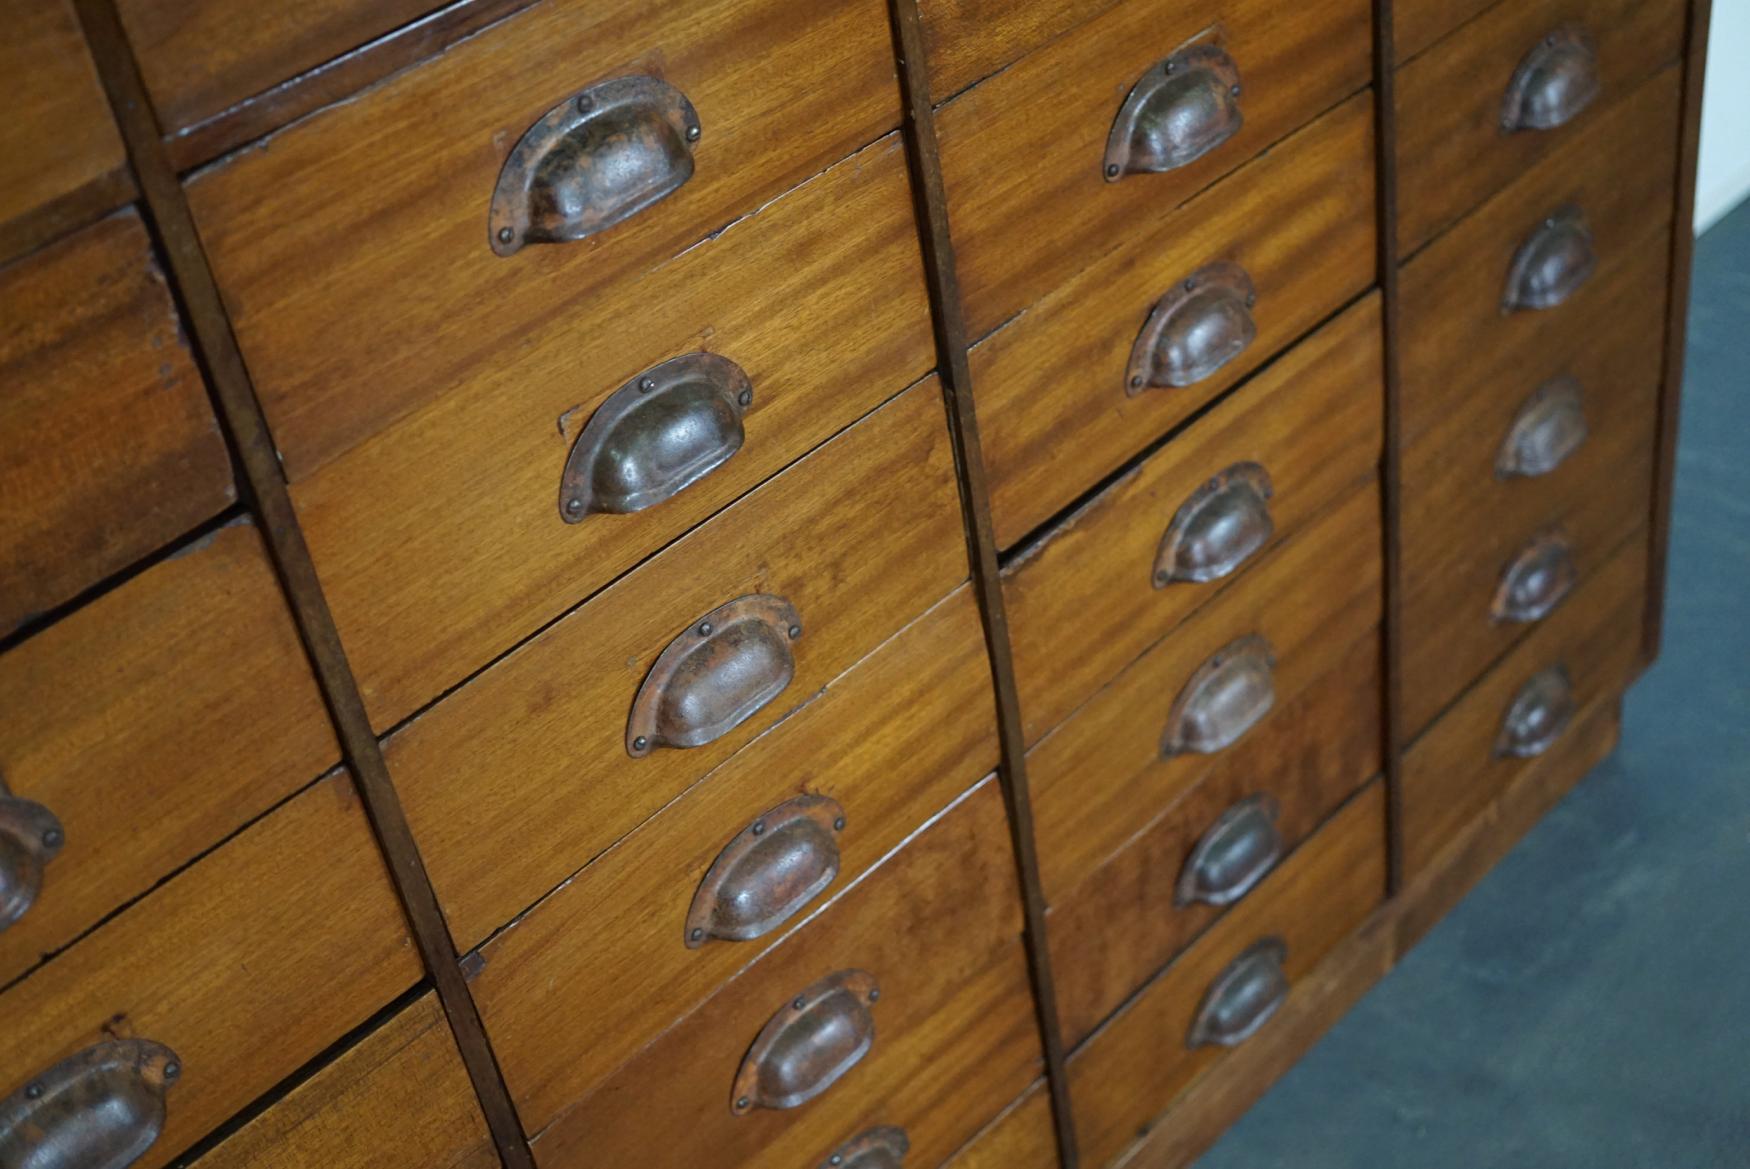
x=319 y=240
x=102 y=403
x=1524 y=65
x=1024 y=154
x=152 y=724
x=1023 y=1137
x=1107 y=769
x=400 y=1099
x=1526 y=706
x=245 y=966
x=520 y=777
x=1057 y=405
x=935 y=930
x=1134 y=914
x=1091 y=596
x=1417 y=24
x=1135 y=1066
x=889 y=744
x=968 y=40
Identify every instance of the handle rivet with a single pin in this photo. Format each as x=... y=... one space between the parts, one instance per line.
x=1162 y=578
x=640 y=743
x=53 y=838
x=585 y=104
x=838 y=825
x=799 y=1004
x=505 y=235
x=1191 y=284
x=837 y=1159
x=692 y=133
x=172 y=1070
x=1112 y=170
x=1251 y=299
x=1136 y=381
x=646 y=384
x=574 y=506
x=759 y=826
x=1170 y=66
x=33 y=1091
x=875 y=995
x=745 y=397
x=795 y=631
x=742 y=1103
x=698 y=934
x=706 y=629
x=1235 y=91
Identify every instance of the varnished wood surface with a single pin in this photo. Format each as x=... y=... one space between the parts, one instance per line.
x=1418 y=24
x=967 y=40
x=153 y=723
x=108 y=445
x=1020 y=1138
x=1051 y=386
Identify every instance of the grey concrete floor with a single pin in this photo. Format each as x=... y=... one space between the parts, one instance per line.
x=1589 y=1004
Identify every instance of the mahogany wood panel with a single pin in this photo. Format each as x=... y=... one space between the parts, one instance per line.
x=153 y=723
x=1053 y=405
x=108 y=446
x=968 y=40
x=1021 y=1138
x=1022 y=153
x=247 y=965
x=1416 y=24
x=893 y=740
x=1083 y=602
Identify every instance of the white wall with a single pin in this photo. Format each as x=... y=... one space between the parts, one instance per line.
x=1723 y=177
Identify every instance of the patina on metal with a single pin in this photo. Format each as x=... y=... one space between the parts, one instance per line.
x=811 y=1042
x=1232 y=856
x=1243 y=997
x=99 y=1109
x=594 y=160
x=1224 y=699
x=1539 y=713
x=1202 y=323
x=1554 y=82
x=655 y=436
x=879 y=1148
x=1536 y=580
x=716 y=675
x=764 y=876
x=1549 y=427
x=30 y=837
x=1178 y=111
x=1553 y=262
x=1214 y=531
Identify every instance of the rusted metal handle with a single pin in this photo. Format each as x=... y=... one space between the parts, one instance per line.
x=99 y=1109
x=1536 y=580
x=1237 y=851
x=594 y=160
x=1214 y=531
x=1201 y=324
x=1243 y=997
x=1224 y=699
x=1554 y=82
x=1180 y=110
x=809 y=1044
x=655 y=436
x=30 y=837
x=879 y=1148
x=1540 y=712
x=1551 y=265
x=1549 y=427
x=772 y=868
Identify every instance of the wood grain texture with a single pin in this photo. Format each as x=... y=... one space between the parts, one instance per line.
x=108 y=445
x=398 y=1099
x=246 y=965
x=440 y=542
x=155 y=722
x=1050 y=385
x=1022 y=153
x=1418 y=24
x=1083 y=601
x=1020 y=1138
x=364 y=225
x=893 y=740
x=967 y=40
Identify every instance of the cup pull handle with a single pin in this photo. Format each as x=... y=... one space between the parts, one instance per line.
x=1549 y=427
x=1554 y=82
x=1201 y=324
x=810 y=1044
x=1243 y=997
x=1552 y=264
x=768 y=872
x=1224 y=699
x=99 y=1109
x=30 y=837
x=1536 y=580
x=1178 y=111
x=1540 y=712
x=1236 y=852
x=879 y=1148
x=1218 y=528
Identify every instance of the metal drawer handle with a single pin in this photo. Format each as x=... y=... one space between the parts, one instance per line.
x=1200 y=325
x=879 y=1148
x=809 y=1044
x=1551 y=265
x=1549 y=427
x=1237 y=851
x=1180 y=110
x=715 y=676
x=1536 y=580
x=1541 y=711
x=30 y=837
x=1224 y=699
x=99 y=1109
x=1243 y=997
x=1217 y=528
x=655 y=436
x=1553 y=84
x=597 y=158
x=772 y=868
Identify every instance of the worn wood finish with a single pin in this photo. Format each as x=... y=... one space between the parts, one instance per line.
x=893 y=740
x=440 y=542
x=1083 y=601
x=108 y=445
x=1021 y=230
x=1101 y=774
x=1050 y=385
x=398 y=1099
x=1417 y=24
x=246 y=965
x=1020 y=1138
x=968 y=40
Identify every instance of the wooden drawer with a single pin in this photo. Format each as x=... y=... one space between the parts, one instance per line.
x=1139 y=1062
x=1103 y=773
x=400 y=1099
x=890 y=743
x=1087 y=599
x=1023 y=1137
x=1453 y=145
x=1056 y=410
x=936 y=927
x=1023 y=154
x=1130 y=917
x=1416 y=24
x=102 y=404
x=1470 y=756
x=354 y=250
x=519 y=778
x=245 y=966
x=968 y=40
x=152 y=724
